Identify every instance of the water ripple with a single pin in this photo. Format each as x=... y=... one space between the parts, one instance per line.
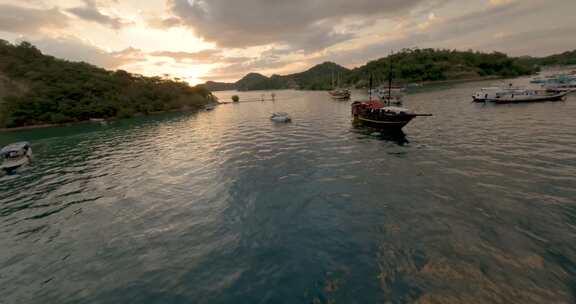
x=474 y=205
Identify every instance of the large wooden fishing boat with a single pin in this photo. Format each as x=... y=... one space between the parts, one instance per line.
x=380 y=114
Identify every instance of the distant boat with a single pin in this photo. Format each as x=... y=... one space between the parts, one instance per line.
x=15 y=156
x=561 y=86
x=391 y=95
x=209 y=107
x=559 y=82
x=538 y=80
x=337 y=92
x=340 y=94
x=281 y=117
x=101 y=121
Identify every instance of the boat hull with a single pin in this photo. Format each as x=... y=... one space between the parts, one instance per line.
x=11 y=165
x=557 y=97
x=386 y=123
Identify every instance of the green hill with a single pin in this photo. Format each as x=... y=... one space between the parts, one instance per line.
x=427 y=65
x=320 y=77
x=254 y=81
x=566 y=58
x=40 y=89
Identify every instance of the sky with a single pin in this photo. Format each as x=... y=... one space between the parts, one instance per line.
x=222 y=40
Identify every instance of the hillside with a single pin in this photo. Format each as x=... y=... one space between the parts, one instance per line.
x=409 y=65
x=566 y=58
x=39 y=89
x=427 y=65
x=320 y=77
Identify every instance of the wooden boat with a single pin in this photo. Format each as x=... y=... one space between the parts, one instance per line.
x=15 y=156
x=377 y=115
x=381 y=115
x=337 y=92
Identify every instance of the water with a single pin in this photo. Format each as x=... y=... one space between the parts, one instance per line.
x=474 y=205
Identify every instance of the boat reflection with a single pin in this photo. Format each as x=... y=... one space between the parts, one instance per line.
x=395 y=136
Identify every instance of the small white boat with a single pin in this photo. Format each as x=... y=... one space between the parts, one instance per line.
x=15 y=156
x=281 y=117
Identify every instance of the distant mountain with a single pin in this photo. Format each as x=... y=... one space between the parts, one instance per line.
x=219 y=86
x=254 y=81
x=319 y=77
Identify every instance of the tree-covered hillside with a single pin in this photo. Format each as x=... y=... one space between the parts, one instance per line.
x=424 y=65
x=59 y=91
x=566 y=58
x=320 y=77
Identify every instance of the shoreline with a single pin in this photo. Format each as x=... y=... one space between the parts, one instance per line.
x=423 y=83
x=85 y=122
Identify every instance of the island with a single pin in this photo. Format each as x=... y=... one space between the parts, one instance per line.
x=36 y=89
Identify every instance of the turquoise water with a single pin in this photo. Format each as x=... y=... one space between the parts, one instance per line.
x=473 y=205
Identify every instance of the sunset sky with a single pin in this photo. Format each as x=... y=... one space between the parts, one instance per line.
x=199 y=40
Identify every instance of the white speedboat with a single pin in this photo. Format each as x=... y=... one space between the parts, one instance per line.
x=281 y=117
x=15 y=156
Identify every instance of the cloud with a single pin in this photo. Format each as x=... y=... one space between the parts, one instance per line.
x=208 y=56
x=201 y=56
x=302 y=24
x=16 y=19
x=90 y=12
x=554 y=37
x=476 y=30
x=75 y=49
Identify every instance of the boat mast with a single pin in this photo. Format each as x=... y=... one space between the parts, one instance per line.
x=390 y=81
x=332 y=84
x=370 y=88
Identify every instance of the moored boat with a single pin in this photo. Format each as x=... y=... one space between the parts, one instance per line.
x=15 y=156
x=490 y=93
x=529 y=96
x=341 y=94
x=377 y=115
x=380 y=114
x=281 y=117
x=561 y=87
